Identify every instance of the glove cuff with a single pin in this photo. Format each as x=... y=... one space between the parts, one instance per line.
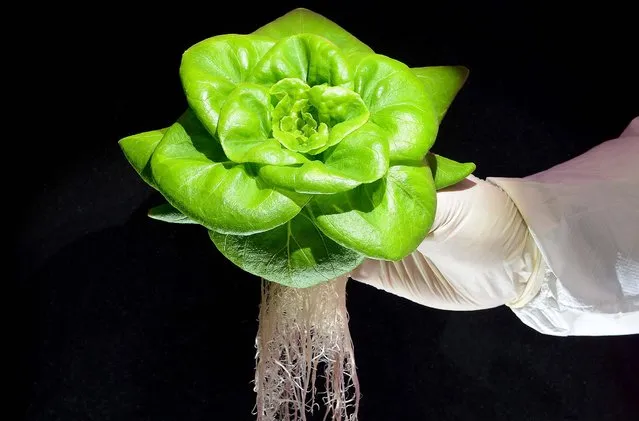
x=535 y=281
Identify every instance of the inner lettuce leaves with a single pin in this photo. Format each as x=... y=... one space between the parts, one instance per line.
x=302 y=151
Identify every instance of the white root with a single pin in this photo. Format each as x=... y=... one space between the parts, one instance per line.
x=302 y=336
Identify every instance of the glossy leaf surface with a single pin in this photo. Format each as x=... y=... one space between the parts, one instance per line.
x=212 y=68
x=195 y=176
x=307 y=57
x=447 y=172
x=384 y=220
x=302 y=20
x=442 y=83
x=138 y=150
x=398 y=103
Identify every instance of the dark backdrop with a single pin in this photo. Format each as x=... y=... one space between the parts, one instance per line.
x=124 y=318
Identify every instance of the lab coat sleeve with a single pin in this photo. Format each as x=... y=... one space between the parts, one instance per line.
x=584 y=217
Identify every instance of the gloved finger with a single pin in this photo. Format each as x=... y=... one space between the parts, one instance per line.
x=632 y=129
x=448 y=197
x=414 y=278
x=476 y=218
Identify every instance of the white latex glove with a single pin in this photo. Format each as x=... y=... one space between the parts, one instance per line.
x=478 y=255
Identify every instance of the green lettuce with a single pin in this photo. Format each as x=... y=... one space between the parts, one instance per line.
x=302 y=151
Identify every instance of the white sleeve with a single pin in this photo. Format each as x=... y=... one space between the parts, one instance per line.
x=584 y=217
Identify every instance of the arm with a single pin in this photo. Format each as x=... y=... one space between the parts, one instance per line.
x=561 y=247
x=584 y=217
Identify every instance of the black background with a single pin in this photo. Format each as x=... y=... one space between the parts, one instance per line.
x=125 y=318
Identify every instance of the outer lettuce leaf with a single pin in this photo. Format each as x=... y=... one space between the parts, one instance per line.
x=296 y=254
x=363 y=155
x=442 y=84
x=398 y=103
x=302 y=20
x=138 y=150
x=168 y=213
x=212 y=68
x=195 y=176
x=447 y=172
x=387 y=219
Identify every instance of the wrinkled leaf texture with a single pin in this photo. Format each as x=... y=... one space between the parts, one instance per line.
x=274 y=212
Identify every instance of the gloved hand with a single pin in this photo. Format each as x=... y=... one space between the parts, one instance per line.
x=479 y=254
